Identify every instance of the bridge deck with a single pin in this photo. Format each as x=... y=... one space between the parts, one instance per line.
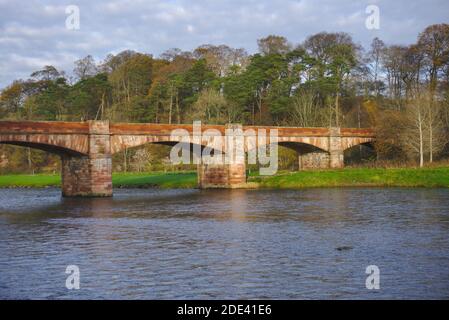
x=63 y=127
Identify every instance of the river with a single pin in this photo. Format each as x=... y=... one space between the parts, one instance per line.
x=226 y=244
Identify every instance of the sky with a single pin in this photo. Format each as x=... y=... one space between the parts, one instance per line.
x=34 y=33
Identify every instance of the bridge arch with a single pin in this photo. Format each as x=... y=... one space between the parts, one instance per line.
x=348 y=143
x=56 y=144
x=299 y=144
x=360 y=153
x=308 y=155
x=121 y=142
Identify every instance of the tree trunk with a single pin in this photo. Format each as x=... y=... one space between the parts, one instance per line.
x=253 y=113
x=421 y=152
x=171 y=105
x=125 y=160
x=177 y=107
x=430 y=141
x=432 y=95
x=30 y=163
x=337 y=109
x=359 y=124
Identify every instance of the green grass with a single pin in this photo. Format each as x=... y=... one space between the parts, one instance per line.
x=160 y=180
x=348 y=177
x=24 y=180
x=120 y=180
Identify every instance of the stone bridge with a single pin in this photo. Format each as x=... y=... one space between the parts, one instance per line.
x=86 y=148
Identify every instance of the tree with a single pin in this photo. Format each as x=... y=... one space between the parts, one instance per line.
x=47 y=73
x=88 y=99
x=420 y=115
x=336 y=56
x=51 y=103
x=393 y=62
x=165 y=90
x=211 y=107
x=112 y=62
x=85 y=68
x=194 y=81
x=171 y=54
x=374 y=57
x=11 y=99
x=389 y=130
x=140 y=159
x=304 y=110
x=414 y=133
x=273 y=45
x=434 y=43
x=344 y=60
x=133 y=77
x=222 y=60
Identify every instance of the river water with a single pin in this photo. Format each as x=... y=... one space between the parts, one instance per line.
x=226 y=244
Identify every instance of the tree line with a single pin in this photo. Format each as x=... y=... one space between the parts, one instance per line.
x=327 y=80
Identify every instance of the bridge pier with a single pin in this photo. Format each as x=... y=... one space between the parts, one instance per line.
x=322 y=159
x=336 y=157
x=313 y=160
x=221 y=176
x=90 y=176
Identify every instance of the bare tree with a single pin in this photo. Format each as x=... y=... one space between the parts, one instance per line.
x=434 y=44
x=140 y=159
x=374 y=57
x=305 y=111
x=424 y=128
x=274 y=45
x=222 y=59
x=414 y=133
x=85 y=68
x=435 y=125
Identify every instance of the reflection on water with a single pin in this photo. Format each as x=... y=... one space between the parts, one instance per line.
x=161 y=244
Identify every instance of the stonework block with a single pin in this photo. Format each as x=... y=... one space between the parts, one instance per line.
x=221 y=175
x=314 y=160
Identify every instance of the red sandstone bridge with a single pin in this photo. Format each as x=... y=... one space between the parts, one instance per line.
x=86 y=148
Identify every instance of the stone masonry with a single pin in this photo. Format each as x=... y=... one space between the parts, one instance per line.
x=90 y=175
x=336 y=159
x=313 y=160
x=221 y=176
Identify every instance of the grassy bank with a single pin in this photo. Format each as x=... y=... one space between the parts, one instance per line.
x=353 y=177
x=119 y=180
x=349 y=177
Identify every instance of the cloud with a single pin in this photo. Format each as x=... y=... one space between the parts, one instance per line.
x=33 y=32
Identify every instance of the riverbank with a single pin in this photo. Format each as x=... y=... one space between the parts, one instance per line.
x=119 y=180
x=358 y=177
x=348 y=177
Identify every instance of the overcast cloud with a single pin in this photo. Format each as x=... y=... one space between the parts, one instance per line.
x=33 y=33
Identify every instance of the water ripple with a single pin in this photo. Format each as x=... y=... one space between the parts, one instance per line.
x=219 y=244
